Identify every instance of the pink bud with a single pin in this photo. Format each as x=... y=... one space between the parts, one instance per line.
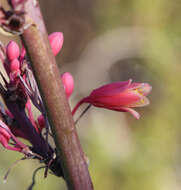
x=56 y=42
x=68 y=83
x=15 y=65
x=12 y=50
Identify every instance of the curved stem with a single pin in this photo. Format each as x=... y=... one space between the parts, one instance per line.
x=80 y=116
x=77 y=106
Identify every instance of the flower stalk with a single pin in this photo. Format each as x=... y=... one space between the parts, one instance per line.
x=35 y=40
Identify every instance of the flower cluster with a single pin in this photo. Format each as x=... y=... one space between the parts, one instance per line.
x=20 y=91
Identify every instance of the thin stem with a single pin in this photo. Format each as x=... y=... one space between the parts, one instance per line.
x=77 y=106
x=80 y=116
x=34 y=177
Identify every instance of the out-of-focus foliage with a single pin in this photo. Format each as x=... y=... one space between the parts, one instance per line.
x=109 y=40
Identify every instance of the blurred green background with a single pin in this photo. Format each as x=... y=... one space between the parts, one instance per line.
x=112 y=40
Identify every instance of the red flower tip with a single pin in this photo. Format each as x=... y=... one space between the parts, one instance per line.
x=56 y=42
x=6 y=135
x=119 y=96
x=12 y=50
x=68 y=83
x=41 y=122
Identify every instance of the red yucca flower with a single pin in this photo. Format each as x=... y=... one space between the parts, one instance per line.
x=119 y=96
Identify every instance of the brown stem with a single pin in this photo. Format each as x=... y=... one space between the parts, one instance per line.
x=47 y=75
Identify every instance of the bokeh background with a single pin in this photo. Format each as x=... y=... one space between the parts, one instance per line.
x=113 y=40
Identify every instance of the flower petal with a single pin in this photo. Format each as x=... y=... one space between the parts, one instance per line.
x=144 y=101
x=118 y=99
x=132 y=111
x=113 y=88
x=142 y=88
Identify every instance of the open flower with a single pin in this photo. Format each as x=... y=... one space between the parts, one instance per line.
x=119 y=96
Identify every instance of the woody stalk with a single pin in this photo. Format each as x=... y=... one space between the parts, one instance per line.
x=25 y=18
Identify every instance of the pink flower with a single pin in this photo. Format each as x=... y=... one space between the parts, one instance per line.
x=119 y=96
x=68 y=83
x=12 y=50
x=56 y=42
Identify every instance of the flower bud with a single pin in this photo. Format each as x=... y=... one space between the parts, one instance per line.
x=56 y=42
x=12 y=50
x=14 y=65
x=68 y=83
